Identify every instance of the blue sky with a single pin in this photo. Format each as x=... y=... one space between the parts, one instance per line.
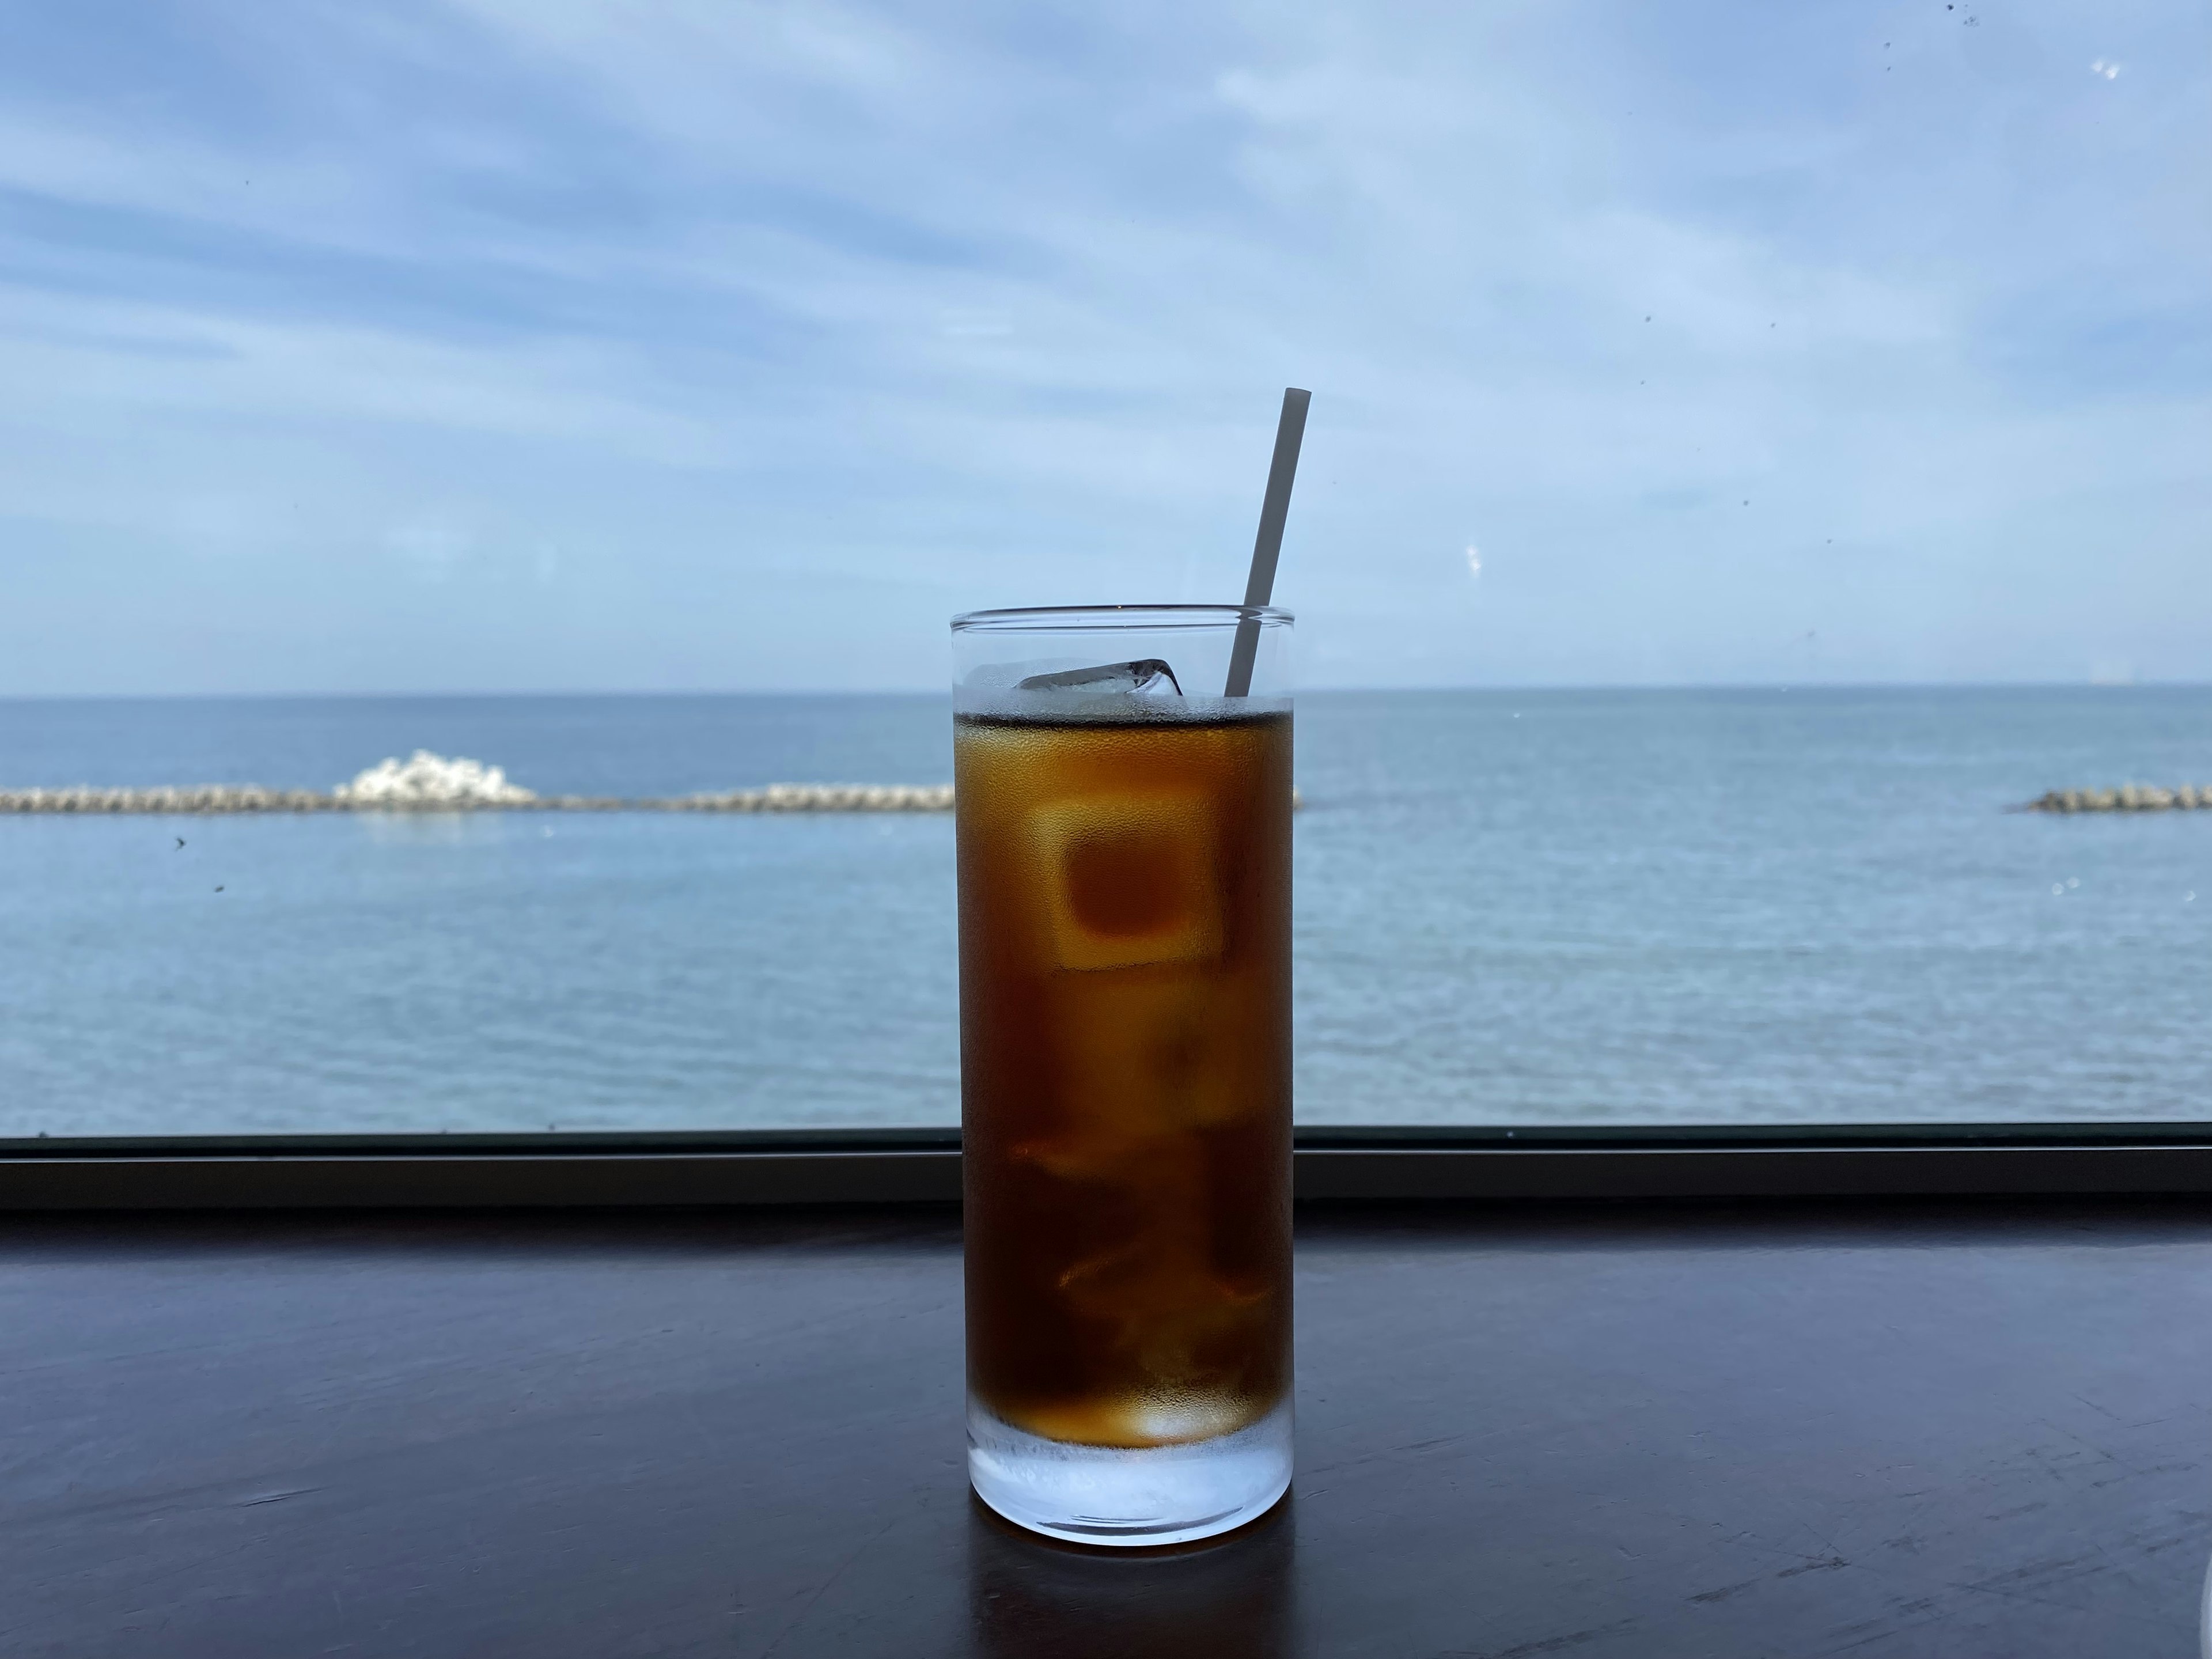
x=516 y=345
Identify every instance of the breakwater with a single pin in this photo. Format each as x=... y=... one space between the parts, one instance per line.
x=2128 y=798
x=214 y=797
x=425 y=782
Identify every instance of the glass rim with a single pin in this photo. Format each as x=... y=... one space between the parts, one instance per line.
x=1106 y=618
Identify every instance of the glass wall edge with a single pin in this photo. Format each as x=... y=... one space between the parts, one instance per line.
x=1057 y=618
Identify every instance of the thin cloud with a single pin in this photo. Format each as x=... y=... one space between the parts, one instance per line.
x=736 y=302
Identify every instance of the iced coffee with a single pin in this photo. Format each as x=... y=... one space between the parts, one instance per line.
x=1125 y=909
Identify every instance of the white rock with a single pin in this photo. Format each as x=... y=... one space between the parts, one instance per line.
x=429 y=780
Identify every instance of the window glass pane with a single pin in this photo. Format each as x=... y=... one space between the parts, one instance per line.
x=1749 y=905
x=1753 y=448
x=480 y=971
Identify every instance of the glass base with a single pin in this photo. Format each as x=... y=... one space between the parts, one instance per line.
x=1115 y=1495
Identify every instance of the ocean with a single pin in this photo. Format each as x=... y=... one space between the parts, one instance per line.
x=1599 y=908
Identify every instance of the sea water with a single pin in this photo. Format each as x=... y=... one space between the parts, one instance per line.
x=1512 y=908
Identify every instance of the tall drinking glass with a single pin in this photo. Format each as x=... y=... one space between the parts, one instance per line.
x=1124 y=831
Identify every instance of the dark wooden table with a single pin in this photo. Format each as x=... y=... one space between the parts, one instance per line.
x=1601 y=1433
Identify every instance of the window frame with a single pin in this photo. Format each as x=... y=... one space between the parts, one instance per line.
x=752 y=1168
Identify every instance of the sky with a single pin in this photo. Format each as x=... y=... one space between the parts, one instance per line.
x=504 y=345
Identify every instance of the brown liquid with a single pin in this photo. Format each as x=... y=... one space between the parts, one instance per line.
x=1124 y=912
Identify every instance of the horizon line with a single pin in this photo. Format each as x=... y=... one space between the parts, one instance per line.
x=1519 y=689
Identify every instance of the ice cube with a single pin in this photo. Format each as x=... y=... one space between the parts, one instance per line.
x=1143 y=675
x=1128 y=878
x=1158 y=1050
